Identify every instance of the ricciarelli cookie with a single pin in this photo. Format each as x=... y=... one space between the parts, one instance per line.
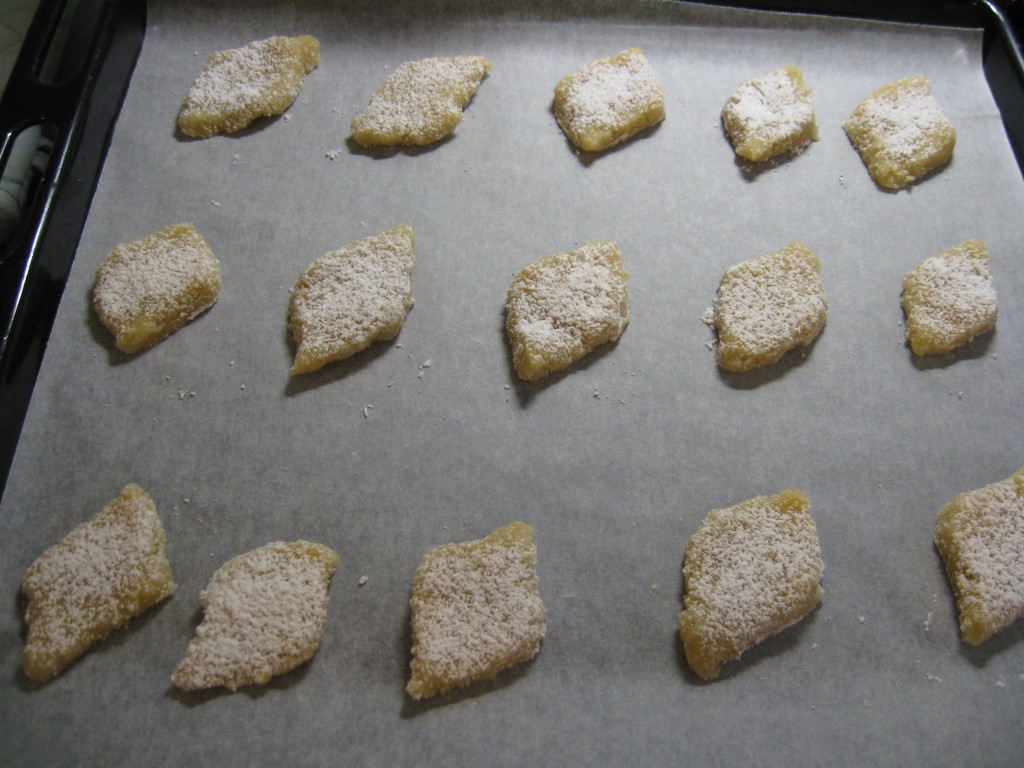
x=901 y=133
x=147 y=289
x=421 y=102
x=767 y=306
x=263 y=615
x=751 y=570
x=236 y=86
x=349 y=298
x=476 y=610
x=949 y=299
x=770 y=115
x=98 y=577
x=609 y=100
x=563 y=306
x=980 y=536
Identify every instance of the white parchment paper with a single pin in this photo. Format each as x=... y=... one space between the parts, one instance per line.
x=431 y=438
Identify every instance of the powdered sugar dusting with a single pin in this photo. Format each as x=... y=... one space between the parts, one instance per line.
x=900 y=132
x=99 y=576
x=751 y=570
x=609 y=100
x=238 y=85
x=147 y=288
x=349 y=298
x=476 y=610
x=770 y=115
x=421 y=102
x=767 y=306
x=980 y=536
x=949 y=299
x=563 y=306
x=263 y=614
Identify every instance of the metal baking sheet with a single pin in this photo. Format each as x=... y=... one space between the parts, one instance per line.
x=431 y=438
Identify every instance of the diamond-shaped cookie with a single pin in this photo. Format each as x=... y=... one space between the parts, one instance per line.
x=949 y=299
x=263 y=615
x=476 y=610
x=768 y=305
x=105 y=572
x=751 y=570
x=146 y=289
x=421 y=102
x=563 y=306
x=980 y=536
x=609 y=100
x=349 y=298
x=238 y=85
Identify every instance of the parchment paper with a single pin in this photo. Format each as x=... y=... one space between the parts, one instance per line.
x=431 y=438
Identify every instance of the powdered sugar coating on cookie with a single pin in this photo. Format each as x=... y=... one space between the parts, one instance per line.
x=750 y=571
x=147 y=289
x=609 y=100
x=767 y=306
x=105 y=572
x=980 y=536
x=263 y=615
x=476 y=610
x=563 y=306
x=421 y=102
x=349 y=298
x=770 y=115
x=901 y=133
x=236 y=86
x=949 y=299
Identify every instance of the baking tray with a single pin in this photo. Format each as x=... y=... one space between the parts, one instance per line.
x=431 y=438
